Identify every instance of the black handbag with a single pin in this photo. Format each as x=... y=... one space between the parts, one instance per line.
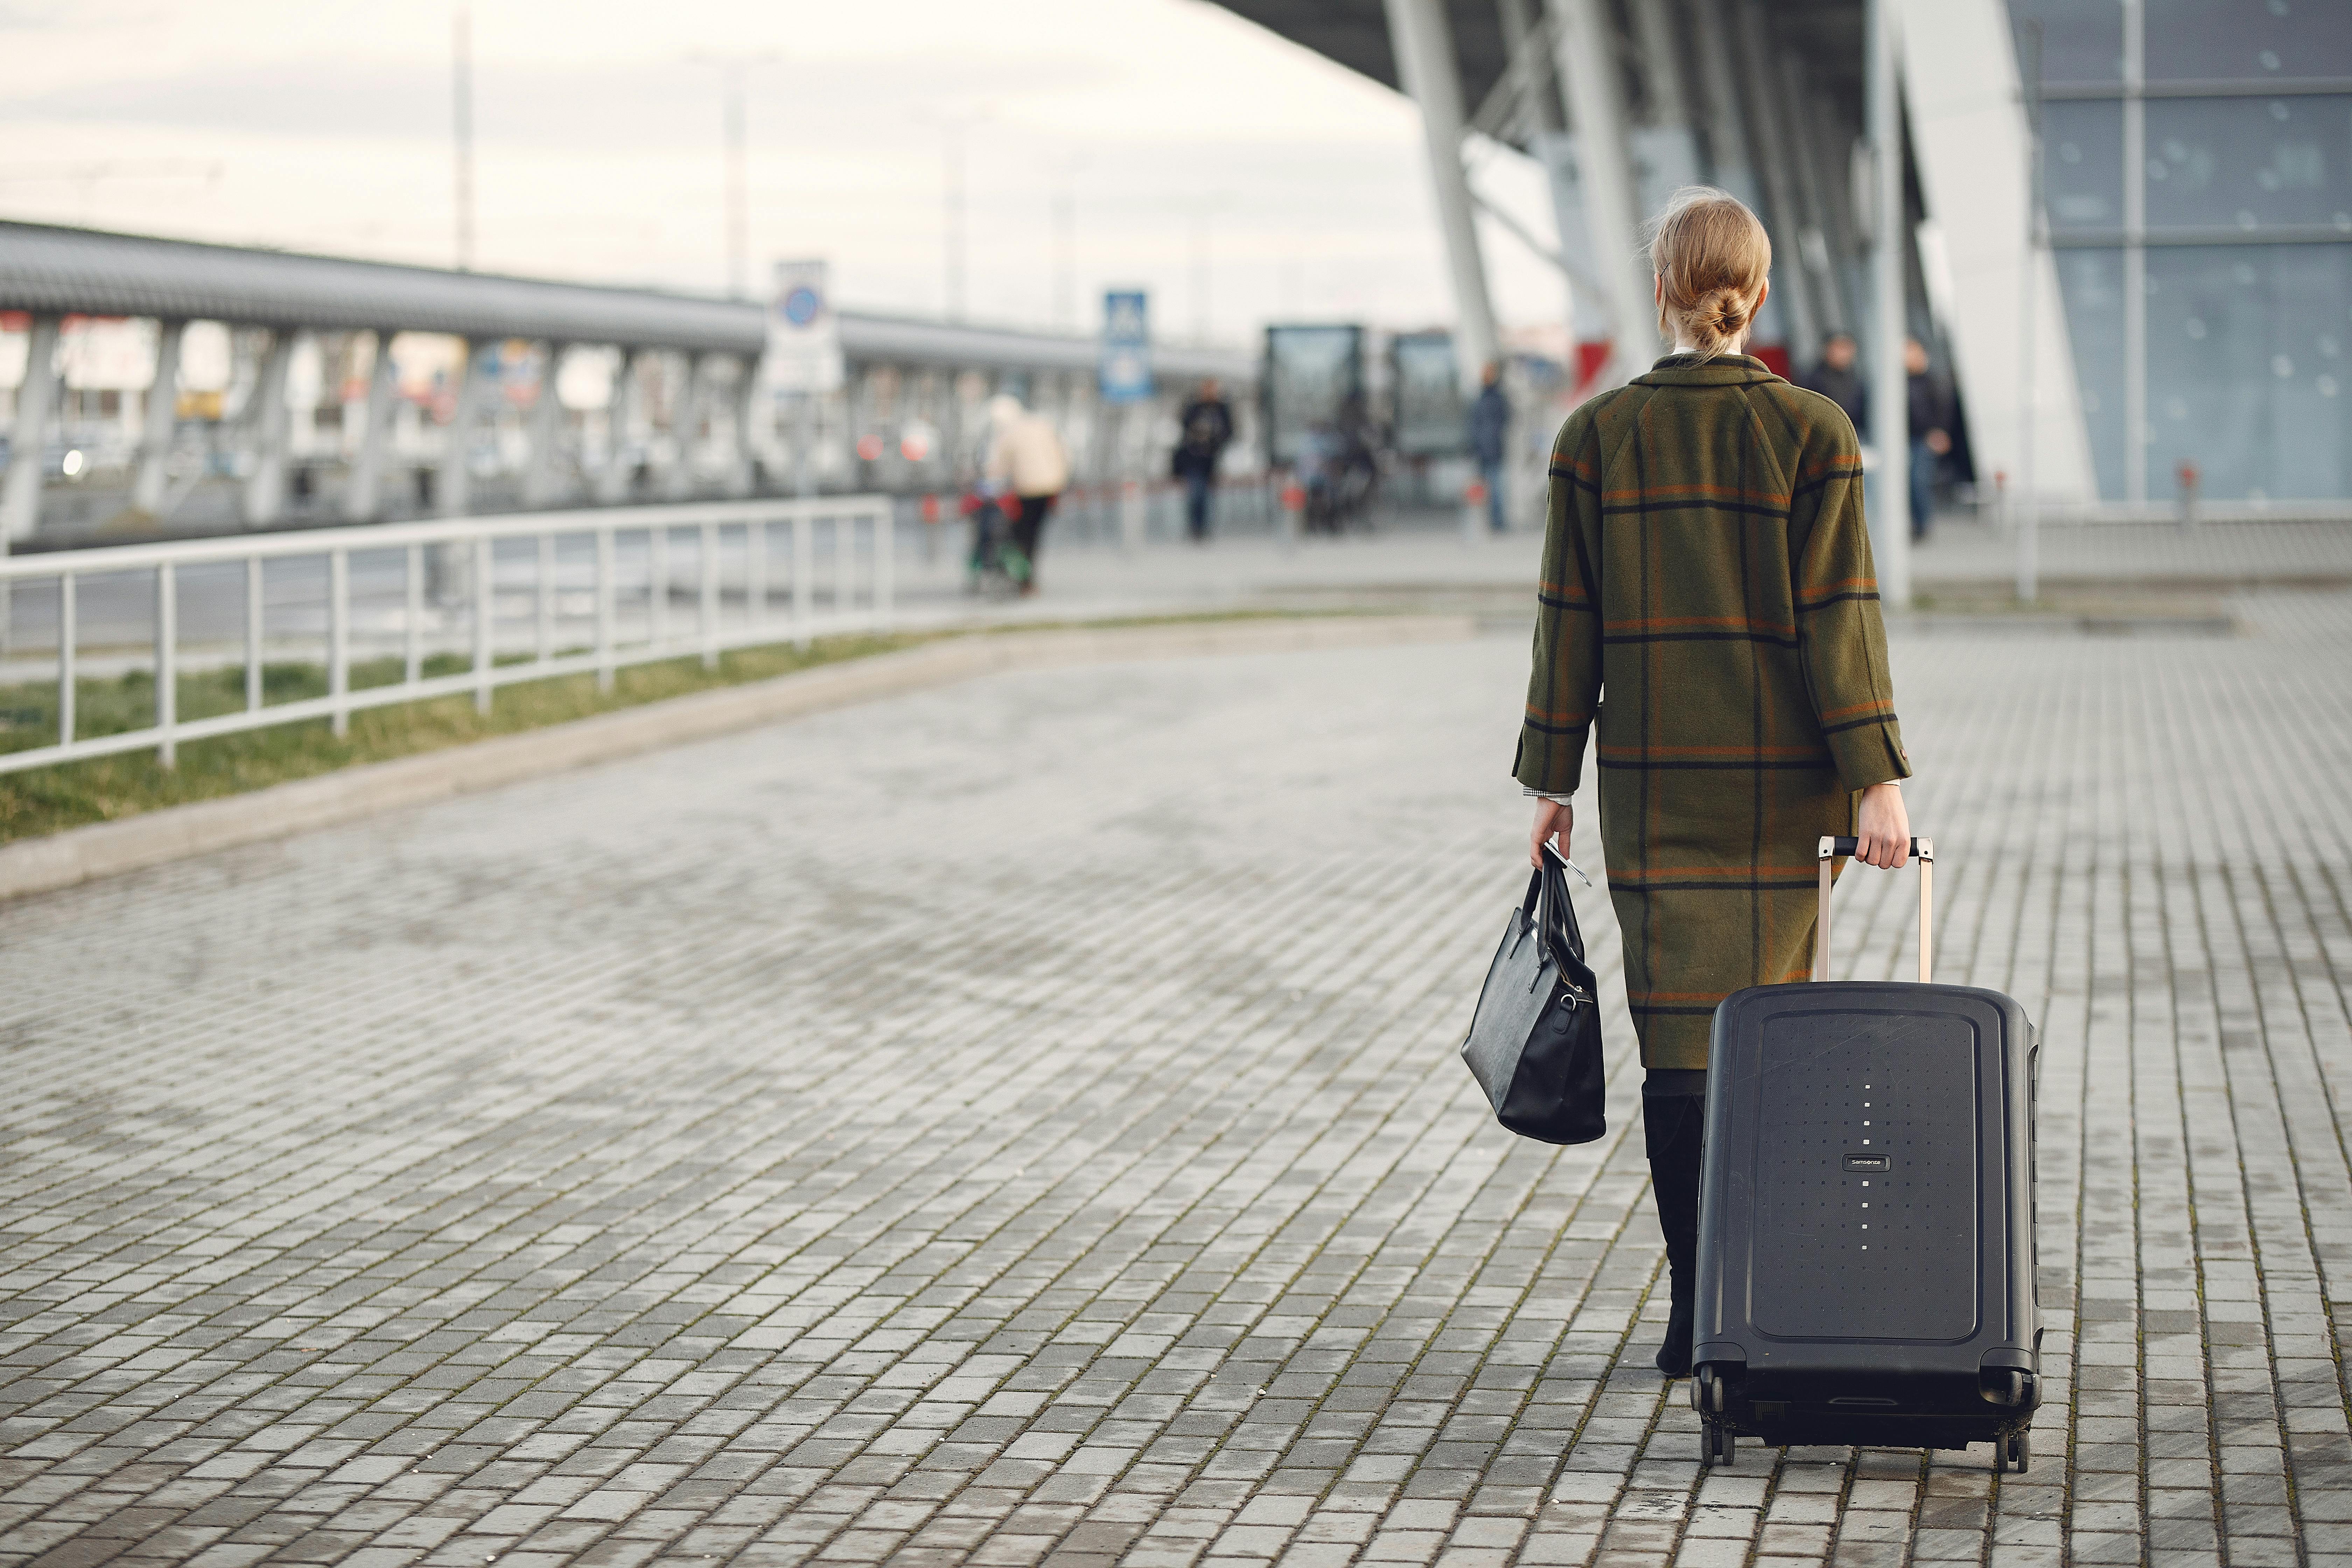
x=1535 y=1041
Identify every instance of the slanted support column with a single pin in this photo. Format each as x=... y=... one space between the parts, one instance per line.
x=162 y=417
x=620 y=430
x=1889 y=503
x=1586 y=57
x=540 y=482
x=1786 y=217
x=265 y=487
x=36 y=404
x=1733 y=160
x=453 y=491
x=363 y=493
x=1424 y=55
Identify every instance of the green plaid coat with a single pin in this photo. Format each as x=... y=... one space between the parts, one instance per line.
x=1707 y=602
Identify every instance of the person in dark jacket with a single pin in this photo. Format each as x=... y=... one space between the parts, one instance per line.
x=1490 y=426
x=1835 y=378
x=1707 y=570
x=1930 y=409
x=1206 y=428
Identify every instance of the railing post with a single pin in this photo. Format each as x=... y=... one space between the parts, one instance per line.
x=167 y=665
x=414 y=661
x=252 y=629
x=546 y=597
x=605 y=554
x=66 y=618
x=845 y=562
x=485 y=623
x=755 y=572
x=706 y=617
x=804 y=576
x=339 y=640
x=658 y=584
x=886 y=541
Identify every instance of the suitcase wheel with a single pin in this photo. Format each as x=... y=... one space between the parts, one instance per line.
x=1716 y=1444
x=2016 y=1452
x=1706 y=1392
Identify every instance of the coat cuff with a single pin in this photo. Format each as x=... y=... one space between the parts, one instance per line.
x=1870 y=754
x=1551 y=761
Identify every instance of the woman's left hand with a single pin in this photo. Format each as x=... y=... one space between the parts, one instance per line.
x=1882 y=829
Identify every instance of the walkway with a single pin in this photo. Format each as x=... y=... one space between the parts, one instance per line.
x=1019 y=1122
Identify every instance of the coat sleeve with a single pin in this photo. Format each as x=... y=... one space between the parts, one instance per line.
x=1842 y=636
x=1564 y=690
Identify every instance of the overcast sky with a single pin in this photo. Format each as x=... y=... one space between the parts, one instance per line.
x=325 y=125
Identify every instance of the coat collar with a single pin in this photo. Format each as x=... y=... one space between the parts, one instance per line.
x=1689 y=370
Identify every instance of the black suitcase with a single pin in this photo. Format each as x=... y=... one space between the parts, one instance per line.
x=1866 y=1244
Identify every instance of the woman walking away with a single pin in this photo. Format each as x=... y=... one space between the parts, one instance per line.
x=1707 y=602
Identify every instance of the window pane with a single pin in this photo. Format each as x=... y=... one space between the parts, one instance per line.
x=2205 y=40
x=2083 y=165
x=2082 y=40
x=2248 y=369
x=2249 y=162
x=2091 y=282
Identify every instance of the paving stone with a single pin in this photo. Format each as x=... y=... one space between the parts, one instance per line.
x=1019 y=1123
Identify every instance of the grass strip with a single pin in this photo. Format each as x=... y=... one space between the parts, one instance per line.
x=46 y=800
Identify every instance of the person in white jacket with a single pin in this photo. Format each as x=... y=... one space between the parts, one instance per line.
x=1027 y=462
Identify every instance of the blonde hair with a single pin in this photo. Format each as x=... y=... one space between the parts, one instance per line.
x=1711 y=256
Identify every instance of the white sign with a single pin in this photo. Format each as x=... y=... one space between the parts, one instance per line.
x=804 y=334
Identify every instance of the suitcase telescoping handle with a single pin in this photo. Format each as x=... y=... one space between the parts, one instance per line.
x=1924 y=851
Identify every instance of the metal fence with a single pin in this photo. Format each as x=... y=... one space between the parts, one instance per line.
x=505 y=599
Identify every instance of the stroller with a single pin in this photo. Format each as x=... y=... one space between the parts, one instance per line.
x=996 y=568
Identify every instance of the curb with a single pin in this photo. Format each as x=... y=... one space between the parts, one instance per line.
x=108 y=848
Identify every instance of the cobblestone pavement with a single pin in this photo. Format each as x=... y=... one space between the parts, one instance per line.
x=1019 y=1122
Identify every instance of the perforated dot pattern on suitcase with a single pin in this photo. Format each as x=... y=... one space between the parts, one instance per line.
x=1866 y=1178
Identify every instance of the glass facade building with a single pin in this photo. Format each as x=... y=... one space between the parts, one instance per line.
x=2198 y=178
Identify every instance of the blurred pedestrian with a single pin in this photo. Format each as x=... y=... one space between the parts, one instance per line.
x=1835 y=378
x=1726 y=751
x=1930 y=410
x=1028 y=465
x=1490 y=428
x=1207 y=426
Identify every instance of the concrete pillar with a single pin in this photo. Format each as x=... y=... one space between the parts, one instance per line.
x=1588 y=60
x=453 y=487
x=1784 y=217
x=364 y=491
x=541 y=483
x=1889 y=503
x=686 y=428
x=37 y=406
x=265 y=426
x=162 y=413
x=1732 y=161
x=621 y=411
x=1424 y=56
x=740 y=462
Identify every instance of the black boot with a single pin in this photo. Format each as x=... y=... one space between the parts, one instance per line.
x=1672 y=1126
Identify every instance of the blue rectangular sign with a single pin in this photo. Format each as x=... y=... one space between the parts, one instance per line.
x=1126 y=366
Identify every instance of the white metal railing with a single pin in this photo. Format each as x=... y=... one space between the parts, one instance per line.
x=528 y=597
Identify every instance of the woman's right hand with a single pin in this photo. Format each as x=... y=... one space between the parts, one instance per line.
x=1551 y=816
x=1882 y=829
